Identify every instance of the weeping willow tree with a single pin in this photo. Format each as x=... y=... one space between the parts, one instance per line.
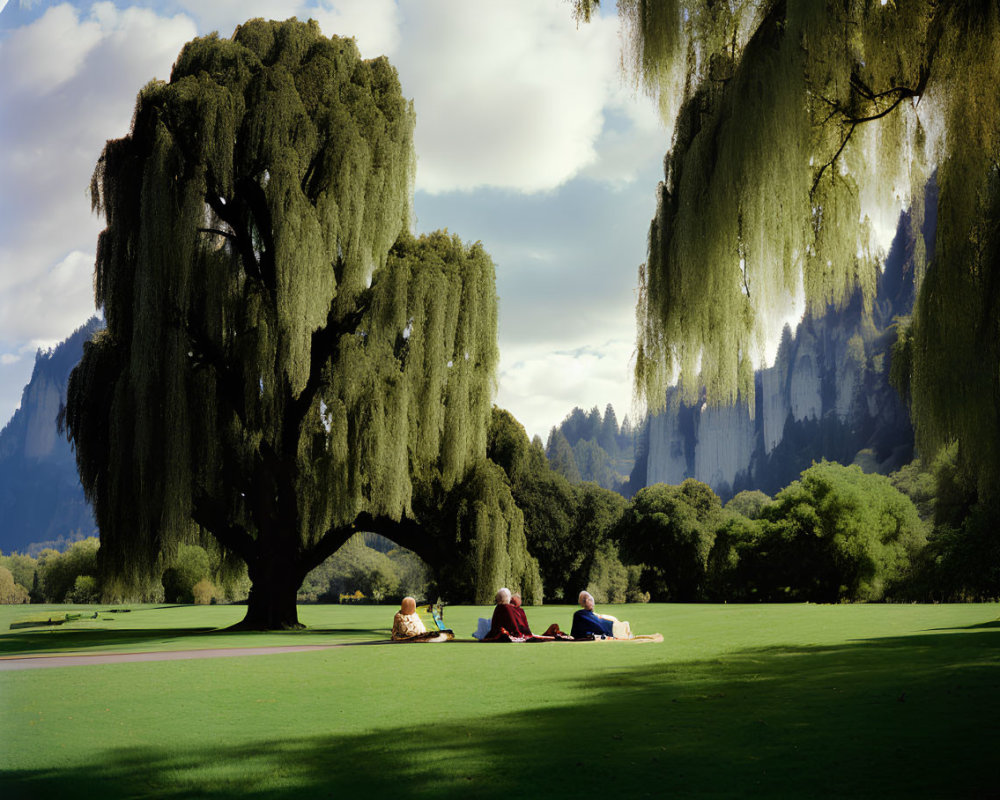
x=480 y=530
x=799 y=131
x=284 y=364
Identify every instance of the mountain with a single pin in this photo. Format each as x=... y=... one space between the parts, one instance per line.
x=41 y=500
x=826 y=396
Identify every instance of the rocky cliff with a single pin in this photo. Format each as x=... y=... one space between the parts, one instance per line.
x=41 y=500
x=826 y=396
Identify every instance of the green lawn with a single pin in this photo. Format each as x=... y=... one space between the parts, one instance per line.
x=768 y=701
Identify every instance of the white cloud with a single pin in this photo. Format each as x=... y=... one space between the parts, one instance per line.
x=542 y=386
x=224 y=15
x=374 y=24
x=51 y=305
x=632 y=132
x=8 y=358
x=73 y=93
x=508 y=95
x=28 y=60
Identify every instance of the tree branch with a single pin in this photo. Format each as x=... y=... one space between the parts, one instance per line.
x=256 y=201
x=324 y=345
x=903 y=95
x=853 y=120
x=227 y=381
x=227 y=234
x=210 y=515
x=405 y=532
x=831 y=162
x=240 y=236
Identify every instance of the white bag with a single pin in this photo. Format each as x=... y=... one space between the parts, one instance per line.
x=483 y=630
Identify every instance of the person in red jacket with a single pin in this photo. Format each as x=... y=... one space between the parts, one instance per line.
x=506 y=624
x=518 y=612
x=510 y=623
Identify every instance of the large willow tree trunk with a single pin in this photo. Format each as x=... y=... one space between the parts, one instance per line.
x=272 y=601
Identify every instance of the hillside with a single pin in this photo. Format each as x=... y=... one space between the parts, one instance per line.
x=41 y=500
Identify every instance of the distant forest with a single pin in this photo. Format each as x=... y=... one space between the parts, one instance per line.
x=589 y=446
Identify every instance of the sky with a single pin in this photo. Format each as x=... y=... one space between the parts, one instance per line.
x=527 y=139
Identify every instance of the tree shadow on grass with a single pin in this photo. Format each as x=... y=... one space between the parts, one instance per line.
x=84 y=639
x=979 y=626
x=92 y=640
x=912 y=716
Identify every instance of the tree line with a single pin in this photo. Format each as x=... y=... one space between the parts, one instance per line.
x=837 y=534
x=368 y=568
x=193 y=575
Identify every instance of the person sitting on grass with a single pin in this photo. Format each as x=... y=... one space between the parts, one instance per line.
x=506 y=624
x=407 y=623
x=519 y=615
x=510 y=623
x=587 y=623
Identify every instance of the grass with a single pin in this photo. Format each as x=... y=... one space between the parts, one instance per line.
x=154 y=628
x=766 y=701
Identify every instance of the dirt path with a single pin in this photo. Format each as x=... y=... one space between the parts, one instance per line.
x=81 y=659
x=41 y=661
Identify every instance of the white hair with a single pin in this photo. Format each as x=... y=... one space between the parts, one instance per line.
x=503 y=596
x=584 y=597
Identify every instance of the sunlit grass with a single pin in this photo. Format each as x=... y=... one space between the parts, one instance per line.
x=739 y=700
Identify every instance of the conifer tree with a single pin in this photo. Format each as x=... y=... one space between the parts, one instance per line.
x=608 y=437
x=592 y=431
x=284 y=364
x=560 y=456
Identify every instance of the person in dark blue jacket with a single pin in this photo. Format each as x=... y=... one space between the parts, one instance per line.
x=587 y=623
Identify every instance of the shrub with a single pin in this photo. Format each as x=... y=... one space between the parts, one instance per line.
x=671 y=530
x=839 y=534
x=734 y=569
x=115 y=590
x=414 y=576
x=58 y=571
x=190 y=566
x=749 y=503
x=917 y=483
x=608 y=576
x=634 y=594
x=203 y=592
x=378 y=582
x=11 y=593
x=85 y=590
x=963 y=562
x=24 y=568
x=351 y=569
x=234 y=587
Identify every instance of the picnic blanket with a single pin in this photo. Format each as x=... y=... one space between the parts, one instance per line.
x=482 y=634
x=429 y=636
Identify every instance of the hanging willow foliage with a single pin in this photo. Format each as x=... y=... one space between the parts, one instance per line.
x=482 y=530
x=281 y=355
x=800 y=129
